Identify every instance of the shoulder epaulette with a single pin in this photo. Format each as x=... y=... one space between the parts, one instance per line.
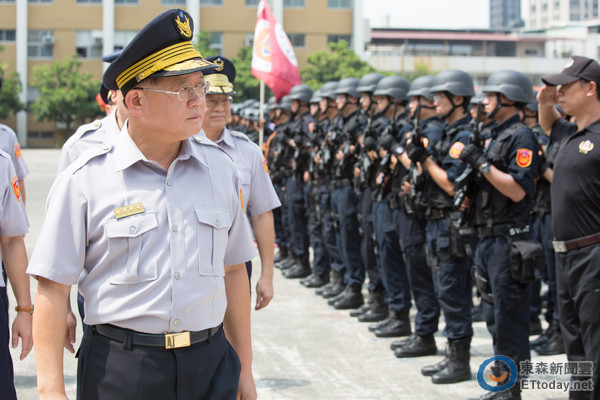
x=88 y=155
x=240 y=135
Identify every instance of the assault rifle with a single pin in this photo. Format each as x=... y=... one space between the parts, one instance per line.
x=414 y=178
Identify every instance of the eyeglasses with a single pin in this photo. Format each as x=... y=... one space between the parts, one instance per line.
x=186 y=93
x=215 y=102
x=438 y=97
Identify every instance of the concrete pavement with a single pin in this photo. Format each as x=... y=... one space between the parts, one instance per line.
x=303 y=348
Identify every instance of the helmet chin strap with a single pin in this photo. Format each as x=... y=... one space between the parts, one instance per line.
x=454 y=106
x=499 y=104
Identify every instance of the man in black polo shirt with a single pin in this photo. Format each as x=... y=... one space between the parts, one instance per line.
x=575 y=205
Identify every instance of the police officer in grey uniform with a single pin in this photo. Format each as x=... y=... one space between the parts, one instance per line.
x=13 y=225
x=155 y=220
x=257 y=190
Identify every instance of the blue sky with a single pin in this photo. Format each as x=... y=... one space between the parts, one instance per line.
x=429 y=13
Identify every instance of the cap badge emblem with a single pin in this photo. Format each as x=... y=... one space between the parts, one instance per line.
x=586 y=146
x=569 y=63
x=182 y=23
x=219 y=61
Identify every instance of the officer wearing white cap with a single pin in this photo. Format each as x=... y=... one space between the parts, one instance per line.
x=155 y=220
x=13 y=225
x=257 y=190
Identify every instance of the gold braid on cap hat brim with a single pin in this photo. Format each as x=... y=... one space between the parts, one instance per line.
x=219 y=83
x=158 y=61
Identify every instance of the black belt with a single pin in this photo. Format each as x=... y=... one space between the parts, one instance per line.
x=563 y=246
x=338 y=183
x=506 y=230
x=166 y=340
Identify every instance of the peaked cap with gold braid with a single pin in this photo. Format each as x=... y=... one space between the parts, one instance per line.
x=162 y=48
x=222 y=77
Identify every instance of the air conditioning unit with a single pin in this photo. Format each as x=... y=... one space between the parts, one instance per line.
x=97 y=38
x=48 y=39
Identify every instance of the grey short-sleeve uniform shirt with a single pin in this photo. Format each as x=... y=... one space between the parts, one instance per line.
x=10 y=145
x=257 y=189
x=87 y=136
x=160 y=269
x=13 y=219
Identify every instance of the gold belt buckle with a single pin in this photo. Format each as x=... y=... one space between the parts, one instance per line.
x=176 y=340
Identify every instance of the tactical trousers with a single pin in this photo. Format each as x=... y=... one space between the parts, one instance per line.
x=412 y=239
x=393 y=268
x=452 y=280
x=578 y=283
x=280 y=222
x=315 y=233
x=507 y=318
x=367 y=252
x=298 y=223
x=344 y=204
x=329 y=234
x=542 y=232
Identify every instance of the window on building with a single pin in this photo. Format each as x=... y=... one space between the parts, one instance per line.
x=122 y=38
x=337 y=38
x=248 y=39
x=211 y=2
x=216 y=42
x=39 y=1
x=297 y=39
x=8 y=35
x=126 y=1
x=172 y=2
x=294 y=3
x=339 y=4
x=7 y=1
x=40 y=44
x=88 y=44
x=251 y=3
x=89 y=1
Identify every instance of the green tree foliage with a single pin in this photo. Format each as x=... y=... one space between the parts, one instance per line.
x=203 y=45
x=337 y=63
x=66 y=94
x=9 y=94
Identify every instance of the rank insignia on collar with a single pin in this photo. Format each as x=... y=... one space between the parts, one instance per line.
x=524 y=157
x=132 y=209
x=586 y=146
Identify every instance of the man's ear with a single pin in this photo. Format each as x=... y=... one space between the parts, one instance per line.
x=593 y=89
x=134 y=101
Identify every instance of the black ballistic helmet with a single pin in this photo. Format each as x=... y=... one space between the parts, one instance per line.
x=514 y=85
x=368 y=83
x=421 y=86
x=348 y=86
x=454 y=81
x=394 y=86
x=328 y=89
x=301 y=93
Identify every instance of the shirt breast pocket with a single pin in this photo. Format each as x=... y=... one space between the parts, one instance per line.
x=213 y=232
x=125 y=246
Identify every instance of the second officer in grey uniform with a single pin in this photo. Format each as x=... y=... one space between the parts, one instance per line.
x=257 y=190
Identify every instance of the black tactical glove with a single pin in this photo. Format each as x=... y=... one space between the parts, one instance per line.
x=416 y=152
x=473 y=156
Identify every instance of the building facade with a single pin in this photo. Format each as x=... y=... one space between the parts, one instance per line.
x=505 y=14
x=37 y=32
x=546 y=13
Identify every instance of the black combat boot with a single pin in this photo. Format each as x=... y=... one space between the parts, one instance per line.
x=315 y=280
x=396 y=344
x=377 y=312
x=337 y=285
x=457 y=369
x=514 y=393
x=282 y=253
x=535 y=326
x=399 y=326
x=352 y=299
x=418 y=347
x=430 y=370
x=545 y=336
x=300 y=269
x=380 y=324
x=362 y=309
x=287 y=262
x=338 y=296
x=554 y=345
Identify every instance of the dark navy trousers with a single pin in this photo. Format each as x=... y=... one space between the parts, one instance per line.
x=297 y=220
x=370 y=261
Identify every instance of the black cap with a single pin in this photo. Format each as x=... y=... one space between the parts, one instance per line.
x=576 y=68
x=162 y=48
x=109 y=58
x=222 y=77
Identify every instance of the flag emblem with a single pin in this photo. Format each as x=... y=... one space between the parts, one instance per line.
x=15 y=186
x=524 y=157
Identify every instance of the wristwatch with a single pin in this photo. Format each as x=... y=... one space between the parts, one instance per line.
x=484 y=168
x=28 y=309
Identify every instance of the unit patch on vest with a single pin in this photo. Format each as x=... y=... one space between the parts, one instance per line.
x=456 y=149
x=15 y=186
x=524 y=157
x=586 y=146
x=17 y=150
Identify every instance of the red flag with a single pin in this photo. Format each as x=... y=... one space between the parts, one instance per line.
x=273 y=58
